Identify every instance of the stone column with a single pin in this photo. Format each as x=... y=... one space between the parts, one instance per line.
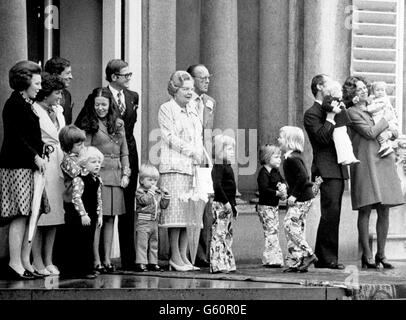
x=159 y=57
x=273 y=66
x=327 y=50
x=219 y=52
x=13 y=39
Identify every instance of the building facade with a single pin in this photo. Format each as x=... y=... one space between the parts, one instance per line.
x=262 y=54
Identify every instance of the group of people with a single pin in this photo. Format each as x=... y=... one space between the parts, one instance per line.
x=91 y=171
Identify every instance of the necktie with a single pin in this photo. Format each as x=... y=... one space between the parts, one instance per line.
x=120 y=103
x=200 y=108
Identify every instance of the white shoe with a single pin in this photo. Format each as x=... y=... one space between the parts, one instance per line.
x=44 y=272
x=387 y=152
x=177 y=267
x=53 y=270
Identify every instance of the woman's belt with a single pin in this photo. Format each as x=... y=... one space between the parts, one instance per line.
x=112 y=155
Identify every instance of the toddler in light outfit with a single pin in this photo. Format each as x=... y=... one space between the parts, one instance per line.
x=333 y=103
x=379 y=105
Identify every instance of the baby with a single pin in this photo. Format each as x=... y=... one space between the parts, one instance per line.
x=379 y=105
x=333 y=103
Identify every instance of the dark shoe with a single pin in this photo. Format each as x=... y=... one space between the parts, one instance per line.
x=35 y=274
x=291 y=269
x=140 y=267
x=307 y=262
x=368 y=263
x=11 y=274
x=202 y=263
x=384 y=262
x=110 y=268
x=99 y=269
x=332 y=265
x=272 y=266
x=154 y=267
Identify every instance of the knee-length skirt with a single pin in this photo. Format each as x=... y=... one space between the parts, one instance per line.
x=113 y=201
x=16 y=191
x=178 y=185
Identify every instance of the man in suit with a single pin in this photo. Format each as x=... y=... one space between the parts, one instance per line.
x=118 y=75
x=319 y=126
x=62 y=67
x=205 y=106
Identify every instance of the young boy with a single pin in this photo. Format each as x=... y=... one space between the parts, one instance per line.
x=150 y=200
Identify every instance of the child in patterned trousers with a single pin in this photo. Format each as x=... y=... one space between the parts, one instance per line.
x=272 y=188
x=221 y=255
x=301 y=193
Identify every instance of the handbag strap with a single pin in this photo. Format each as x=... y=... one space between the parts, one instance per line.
x=208 y=157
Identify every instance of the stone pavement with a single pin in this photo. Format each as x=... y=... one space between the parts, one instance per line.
x=249 y=282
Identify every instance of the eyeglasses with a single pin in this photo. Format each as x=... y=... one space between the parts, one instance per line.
x=204 y=78
x=126 y=75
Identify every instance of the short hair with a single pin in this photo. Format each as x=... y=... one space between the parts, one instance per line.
x=333 y=87
x=21 y=73
x=114 y=66
x=317 y=80
x=148 y=170
x=88 y=153
x=294 y=138
x=69 y=135
x=220 y=142
x=56 y=65
x=350 y=89
x=266 y=152
x=192 y=68
x=376 y=84
x=49 y=84
x=176 y=81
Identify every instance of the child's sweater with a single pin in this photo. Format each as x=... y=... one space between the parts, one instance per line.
x=149 y=203
x=267 y=186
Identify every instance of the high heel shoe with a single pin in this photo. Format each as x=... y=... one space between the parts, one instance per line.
x=178 y=268
x=384 y=262
x=368 y=263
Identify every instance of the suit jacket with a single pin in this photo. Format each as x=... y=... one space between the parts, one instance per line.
x=22 y=134
x=67 y=105
x=208 y=112
x=320 y=134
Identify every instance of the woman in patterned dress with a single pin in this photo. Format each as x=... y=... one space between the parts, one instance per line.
x=181 y=149
x=105 y=131
x=20 y=156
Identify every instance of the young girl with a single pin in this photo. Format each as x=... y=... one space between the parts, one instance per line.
x=150 y=201
x=106 y=131
x=84 y=213
x=300 y=199
x=221 y=255
x=271 y=188
x=380 y=104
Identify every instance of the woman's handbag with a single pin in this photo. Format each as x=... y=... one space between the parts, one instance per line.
x=204 y=182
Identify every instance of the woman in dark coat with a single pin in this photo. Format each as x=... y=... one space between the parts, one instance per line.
x=374 y=182
x=20 y=156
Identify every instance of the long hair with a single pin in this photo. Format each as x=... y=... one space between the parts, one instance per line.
x=294 y=138
x=90 y=121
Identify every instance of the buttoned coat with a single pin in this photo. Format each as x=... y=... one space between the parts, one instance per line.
x=115 y=151
x=374 y=180
x=54 y=185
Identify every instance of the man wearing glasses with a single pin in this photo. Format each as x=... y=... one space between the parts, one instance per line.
x=205 y=106
x=119 y=76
